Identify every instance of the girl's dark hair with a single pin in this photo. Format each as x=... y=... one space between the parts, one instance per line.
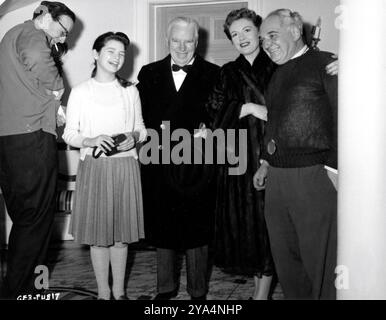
x=56 y=9
x=243 y=13
x=101 y=41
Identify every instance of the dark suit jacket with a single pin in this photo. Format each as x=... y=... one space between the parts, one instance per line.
x=178 y=199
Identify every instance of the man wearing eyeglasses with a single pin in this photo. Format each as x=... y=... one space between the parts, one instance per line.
x=301 y=153
x=31 y=87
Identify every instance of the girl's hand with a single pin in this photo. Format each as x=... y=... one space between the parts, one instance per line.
x=103 y=142
x=130 y=142
x=333 y=68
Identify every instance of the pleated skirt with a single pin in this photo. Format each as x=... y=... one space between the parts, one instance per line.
x=108 y=204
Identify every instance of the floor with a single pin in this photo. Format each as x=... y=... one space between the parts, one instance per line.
x=71 y=274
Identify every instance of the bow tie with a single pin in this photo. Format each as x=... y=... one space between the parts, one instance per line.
x=185 y=68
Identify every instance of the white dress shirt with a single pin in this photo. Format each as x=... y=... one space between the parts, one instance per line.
x=179 y=76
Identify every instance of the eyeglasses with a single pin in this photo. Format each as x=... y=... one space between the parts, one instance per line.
x=65 y=33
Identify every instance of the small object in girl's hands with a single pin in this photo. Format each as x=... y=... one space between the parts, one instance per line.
x=117 y=140
x=97 y=151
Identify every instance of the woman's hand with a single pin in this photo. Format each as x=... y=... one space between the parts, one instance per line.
x=260 y=176
x=202 y=132
x=333 y=68
x=103 y=142
x=129 y=143
x=257 y=110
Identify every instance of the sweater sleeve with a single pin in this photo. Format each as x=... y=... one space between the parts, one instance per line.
x=36 y=57
x=71 y=133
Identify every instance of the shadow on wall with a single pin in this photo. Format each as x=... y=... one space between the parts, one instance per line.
x=307 y=33
x=203 y=41
x=131 y=55
x=71 y=41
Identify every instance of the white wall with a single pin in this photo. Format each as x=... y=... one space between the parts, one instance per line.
x=94 y=18
x=131 y=16
x=362 y=153
x=12 y=18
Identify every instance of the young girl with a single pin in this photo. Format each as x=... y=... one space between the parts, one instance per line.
x=107 y=213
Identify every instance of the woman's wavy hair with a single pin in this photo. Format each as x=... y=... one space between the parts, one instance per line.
x=243 y=13
x=101 y=41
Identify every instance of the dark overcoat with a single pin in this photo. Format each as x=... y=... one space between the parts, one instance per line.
x=241 y=243
x=178 y=198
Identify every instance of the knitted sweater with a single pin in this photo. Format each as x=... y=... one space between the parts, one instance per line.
x=302 y=113
x=96 y=108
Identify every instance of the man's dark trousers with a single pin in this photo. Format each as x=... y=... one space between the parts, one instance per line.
x=301 y=215
x=28 y=177
x=196 y=271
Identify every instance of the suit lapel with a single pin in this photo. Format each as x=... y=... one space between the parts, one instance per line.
x=188 y=87
x=191 y=78
x=166 y=73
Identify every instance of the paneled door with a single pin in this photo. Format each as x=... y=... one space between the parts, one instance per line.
x=213 y=44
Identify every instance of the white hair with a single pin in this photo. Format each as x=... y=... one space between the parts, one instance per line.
x=288 y=18
x=183 y=21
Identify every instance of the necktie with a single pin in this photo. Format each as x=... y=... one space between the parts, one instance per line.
x=185 y=68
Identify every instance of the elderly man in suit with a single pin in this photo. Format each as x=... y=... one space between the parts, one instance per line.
x=178 y=199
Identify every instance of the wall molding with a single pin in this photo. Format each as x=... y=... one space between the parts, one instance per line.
x=146 y=10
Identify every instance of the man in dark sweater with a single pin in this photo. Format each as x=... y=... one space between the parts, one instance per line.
x=301 y=152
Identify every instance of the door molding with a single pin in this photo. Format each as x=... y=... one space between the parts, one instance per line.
x=153 y=5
